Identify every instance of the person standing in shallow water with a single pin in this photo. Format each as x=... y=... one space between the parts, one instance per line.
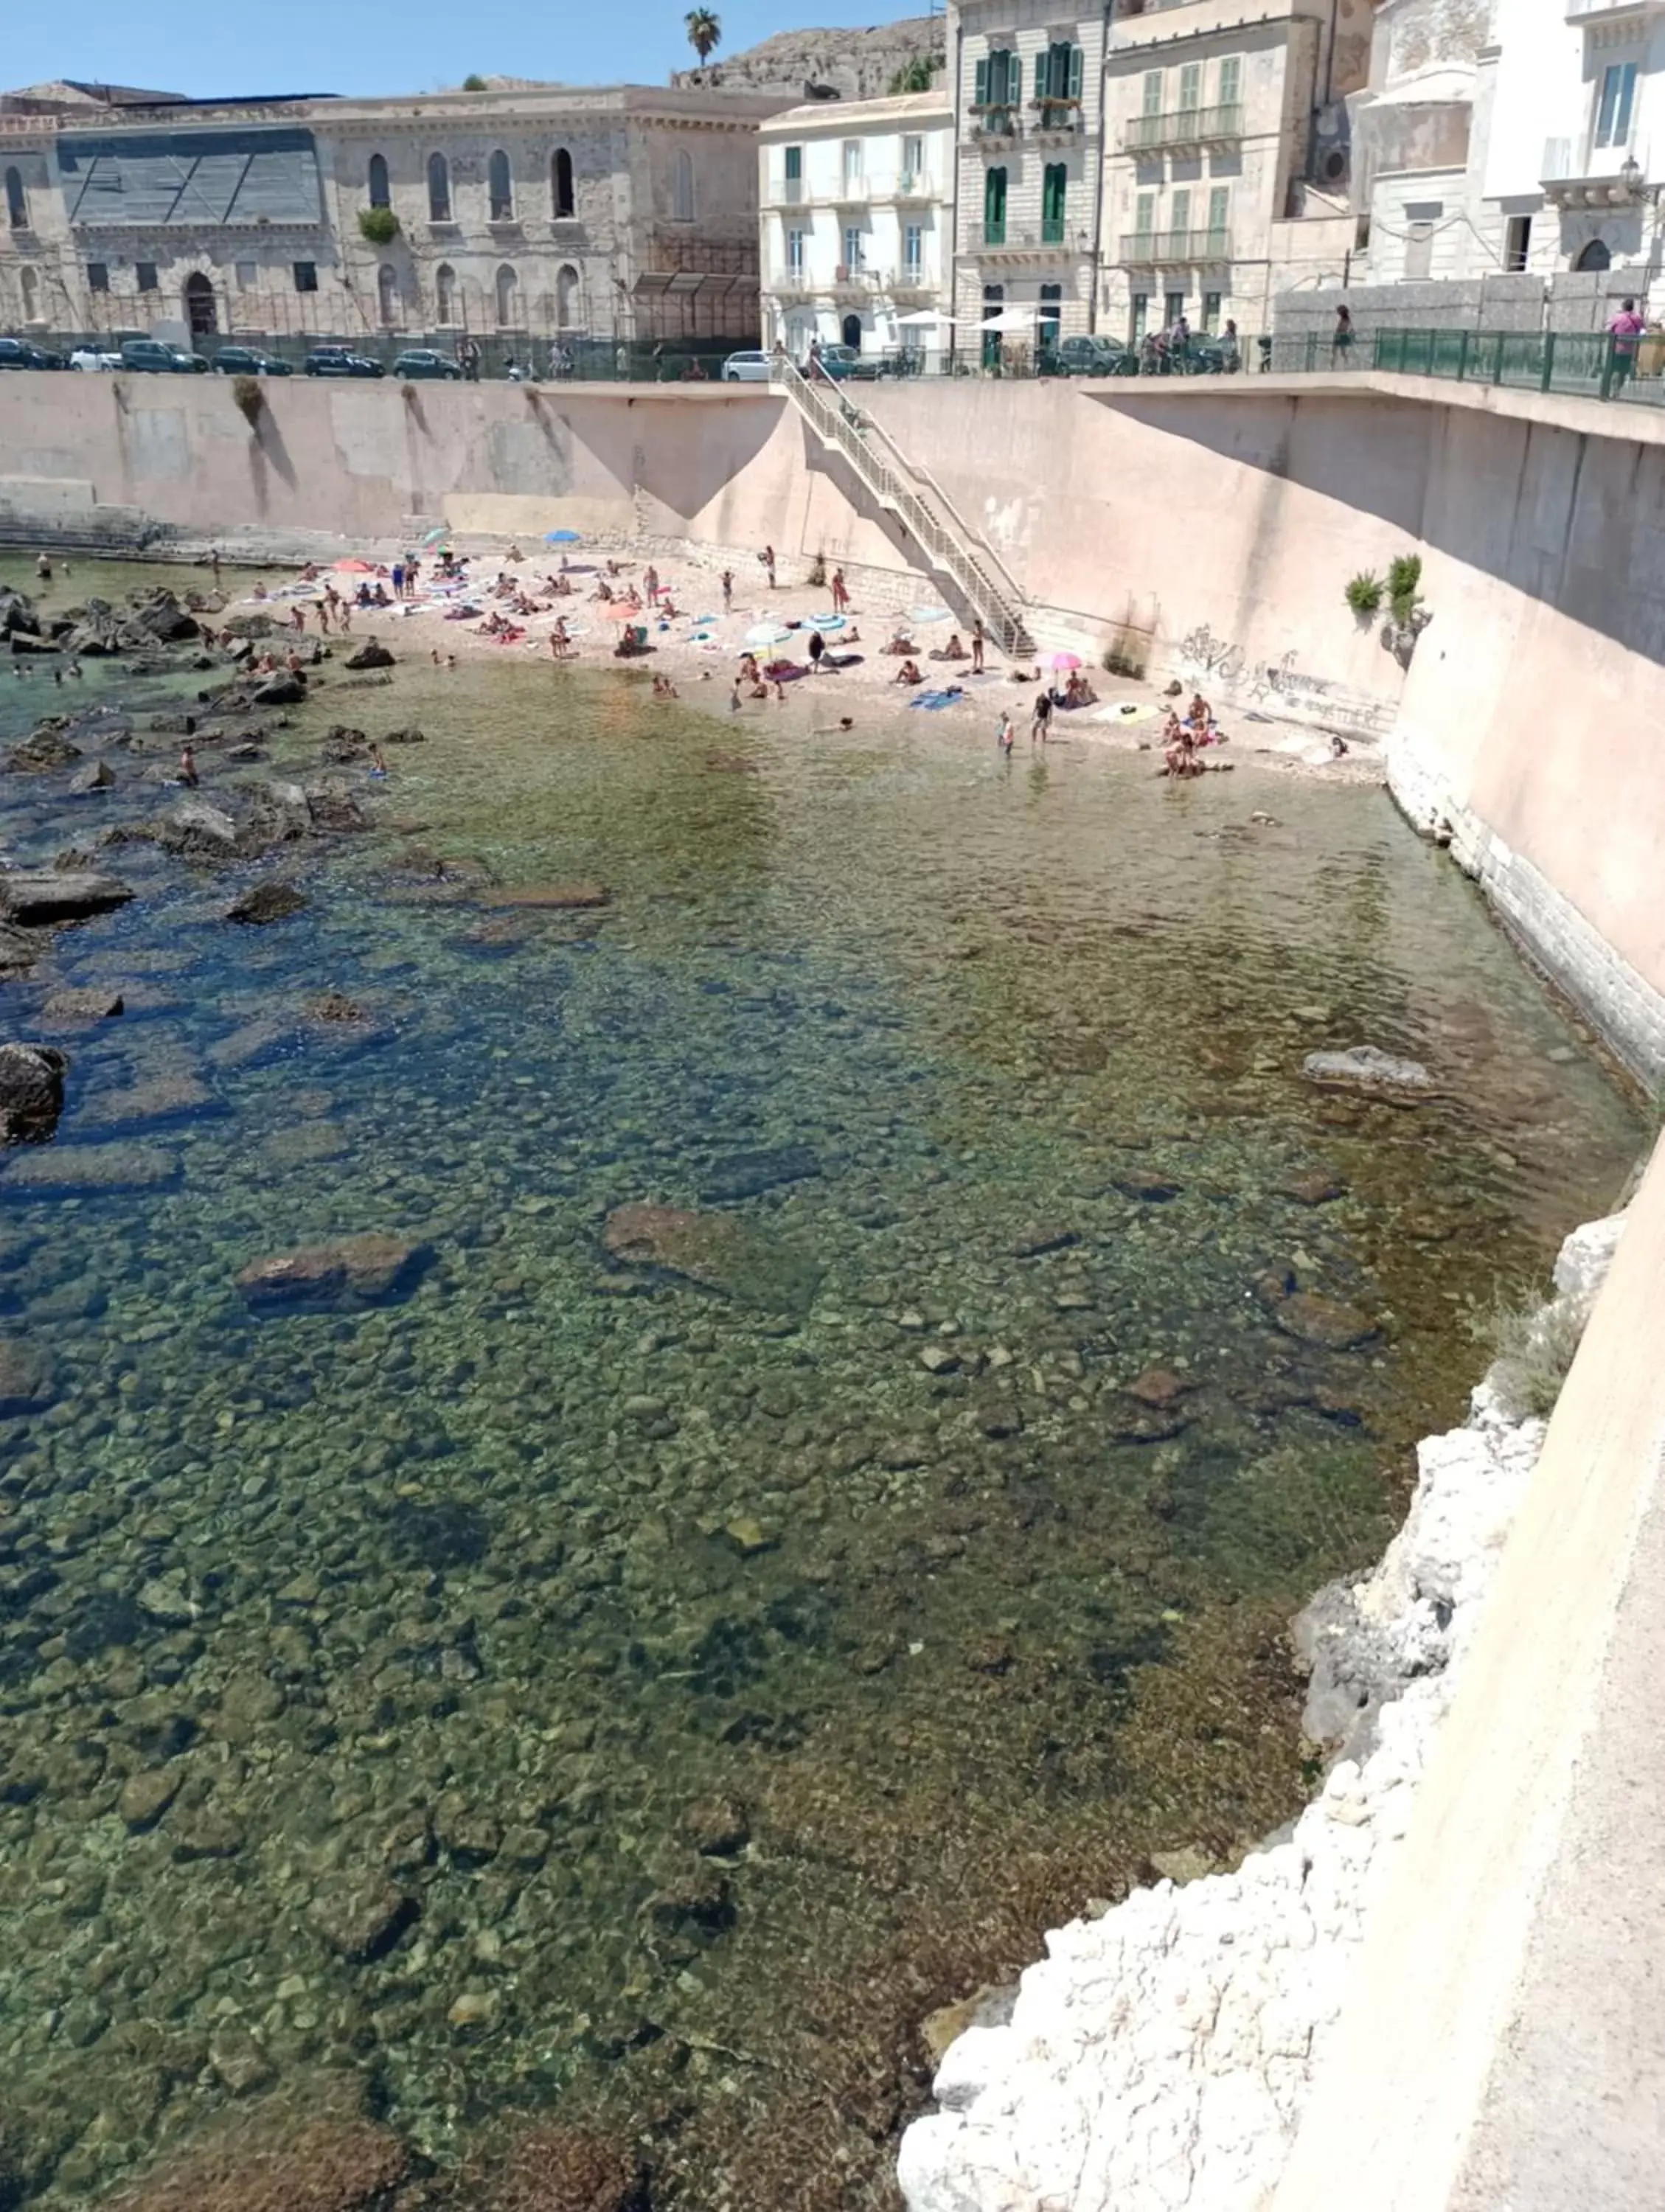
x=1041 y=719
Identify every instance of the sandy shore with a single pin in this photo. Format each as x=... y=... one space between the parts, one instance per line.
x=700 y=649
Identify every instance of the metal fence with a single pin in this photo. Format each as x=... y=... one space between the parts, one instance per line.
x=1584 y=364
x=573 y=358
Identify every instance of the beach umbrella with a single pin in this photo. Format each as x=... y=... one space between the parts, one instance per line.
x=828 y=623
x=436 y=537
x=1128 y=710
x=926 y=615
x=562 y=537
x=922 y=317
x=1017 y=321
x=766 y=633
x=1066 y=660
x=354 y=568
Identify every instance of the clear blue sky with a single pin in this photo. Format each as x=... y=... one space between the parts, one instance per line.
x=381 y=45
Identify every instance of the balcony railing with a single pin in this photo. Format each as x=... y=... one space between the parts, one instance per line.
x=1055 y=115
x=1185 y=126
x=1608 y=11
x=1574 y=175
x=787 y=192
x=1172 y=248
x=995 y=121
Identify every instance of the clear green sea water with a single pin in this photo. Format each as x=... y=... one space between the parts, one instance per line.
x=472 y=1616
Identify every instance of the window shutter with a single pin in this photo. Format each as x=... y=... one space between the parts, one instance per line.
x=1144 y=213
x=1219 y=210
x=1075 y=73
x=981 y=97
x=1153 y=92
x=1015 y=74
x=1179 y=213
x=1190 y=87
x=1232 y=80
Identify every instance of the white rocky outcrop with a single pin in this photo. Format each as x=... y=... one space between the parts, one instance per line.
x=1159 y=2056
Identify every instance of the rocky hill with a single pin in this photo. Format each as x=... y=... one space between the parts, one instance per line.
x=848 y=65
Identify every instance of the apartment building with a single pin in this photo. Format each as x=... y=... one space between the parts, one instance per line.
x=854 y=202
x=613 y=211
x=1227 y=156
x=1028 y=91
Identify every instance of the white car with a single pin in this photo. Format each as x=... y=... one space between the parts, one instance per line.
x=89 y=357
x=746 y=368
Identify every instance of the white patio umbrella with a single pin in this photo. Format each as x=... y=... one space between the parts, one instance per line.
x=1012 y=320
x=923 y=317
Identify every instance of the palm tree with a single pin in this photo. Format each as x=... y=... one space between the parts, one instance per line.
x=704 y=31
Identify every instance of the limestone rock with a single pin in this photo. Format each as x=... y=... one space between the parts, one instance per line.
x=43 y=750
x=26 y=1377
x=1328 y=1323
x=745 y=1175
x=362 y=1922
x=35 y=898
x=1159 y=1387
x=87 y=1002
x=1035 y=1243
x=31 y=1093
x=74 y=1170
x=158 y=613
x=332 y=809
x=717 y=1826
x=373 y=653
x=197 y=830
x=349 y=1270
x=408 y=735
x=147 y=1795
x=283 y=688
x=562 y=2170
x=341 y=745
x=1366 y=1068
x=1585 y=1257
x=1146 y=1184
x=97 y=775
x=558 y=896
x=267 y=902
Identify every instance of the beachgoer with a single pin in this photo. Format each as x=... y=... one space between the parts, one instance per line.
x=1006 y=735
x=1623 y=332
x=978 y=636
x=1040 y=720
x=1341 y=339
x=213 y=563
x=188 y=767
x=734 y=699
x=728 y=589
x=1231 y=348
x=43 y=568
x=378 y=765
x=398 y=580
x=651 y=583
x=818 y=648
x=779 y=693
x=767 y=556
x=841 y=592
x=908 y=673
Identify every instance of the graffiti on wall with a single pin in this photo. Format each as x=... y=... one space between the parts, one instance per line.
x=1279 y=686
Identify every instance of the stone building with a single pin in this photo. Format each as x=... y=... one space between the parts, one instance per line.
x=855 y=201
x=1228 y=160
x=616 y=212
x=1030 y=88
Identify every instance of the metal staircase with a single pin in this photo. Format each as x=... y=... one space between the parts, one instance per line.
x=947 y=542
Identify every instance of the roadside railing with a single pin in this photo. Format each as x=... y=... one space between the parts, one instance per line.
x=1582 y=364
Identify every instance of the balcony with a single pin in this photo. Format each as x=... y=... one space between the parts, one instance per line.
x=791 y=284
x=914 y=187
x=1186 y=126
x=1612 y=11
x=854 y=280
x=1173 y=249
x=1050 y=242
x=1056 y=122
x=995 y=125
x=1575 y=176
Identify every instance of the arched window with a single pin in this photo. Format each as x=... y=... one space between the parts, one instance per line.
x=379 y=196
x=445 y=294
x=199 y=309
x=17 y=205
x=508 y=297
x=500 y=187
x=387 y=296
x=439 y=189
x=566 y=297
x=560 y=186
x=1595 y=256
x=31 y=296
x=682 y=188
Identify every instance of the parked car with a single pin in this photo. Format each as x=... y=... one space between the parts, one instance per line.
x=248 y=360
x=422 y=361
x=151 y=358
x=22 y=353
x=341 y=361
x=1089 y=356
x=746 y=368
x=92 y=359
x=839 y=362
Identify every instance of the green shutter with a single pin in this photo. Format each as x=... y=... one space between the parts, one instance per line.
x=982 y=99
x=1232 y=80
x=1015 y=86
x=1153 y=92
x=1190 y=88
x=794 y=163
x=1145 y=214
x=1179 y=212
x=1219 y=210
x=1075 y=73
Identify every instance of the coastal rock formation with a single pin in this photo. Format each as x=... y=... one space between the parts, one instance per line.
x=26 y=1386
x=36 y=898
x=272 y=901
x=352 y=1269
x=716 y=1251
x=829 y=64
x=45 y=748
x=31 y=1093
x=1161 y=2053
x=373 y=653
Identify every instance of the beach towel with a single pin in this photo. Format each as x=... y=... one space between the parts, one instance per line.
x=932 y=700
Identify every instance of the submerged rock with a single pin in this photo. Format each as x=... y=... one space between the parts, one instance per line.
x=1328 y=1323
x=363 y=1922
x=38 y=897
x=97 y=775
x=352 y=1269
x=264 y=902
x=746 y=1174
x=716 y=1251
x=31 y=1093
x=1365 y=1067
x=26 y=1377
x=283 y=688
x=558 y=896
x=44 y=750
x=408 y=735
x=69 y=1171
x=373 y=653
x=86 y=1002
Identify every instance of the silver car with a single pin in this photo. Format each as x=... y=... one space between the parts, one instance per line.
x=746 y=368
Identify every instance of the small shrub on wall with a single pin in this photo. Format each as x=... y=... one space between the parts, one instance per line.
x=378 y=224
x=248 y=399
x=1364 y=592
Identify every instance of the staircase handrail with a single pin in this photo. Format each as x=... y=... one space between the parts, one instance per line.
x=1003 y=575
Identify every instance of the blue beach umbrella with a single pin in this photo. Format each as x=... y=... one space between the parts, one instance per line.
x=562 y=537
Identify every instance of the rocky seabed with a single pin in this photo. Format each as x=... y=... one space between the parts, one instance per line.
x=1159 y=2056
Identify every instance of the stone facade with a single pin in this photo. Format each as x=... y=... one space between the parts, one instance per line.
x=855 y=213
x=616 y=212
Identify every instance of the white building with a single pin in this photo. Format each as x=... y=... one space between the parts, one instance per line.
x=853 y=198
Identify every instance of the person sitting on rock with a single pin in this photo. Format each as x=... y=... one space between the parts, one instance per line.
x=188 y=774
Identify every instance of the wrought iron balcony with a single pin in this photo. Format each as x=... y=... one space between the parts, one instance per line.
x=1173 y=249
